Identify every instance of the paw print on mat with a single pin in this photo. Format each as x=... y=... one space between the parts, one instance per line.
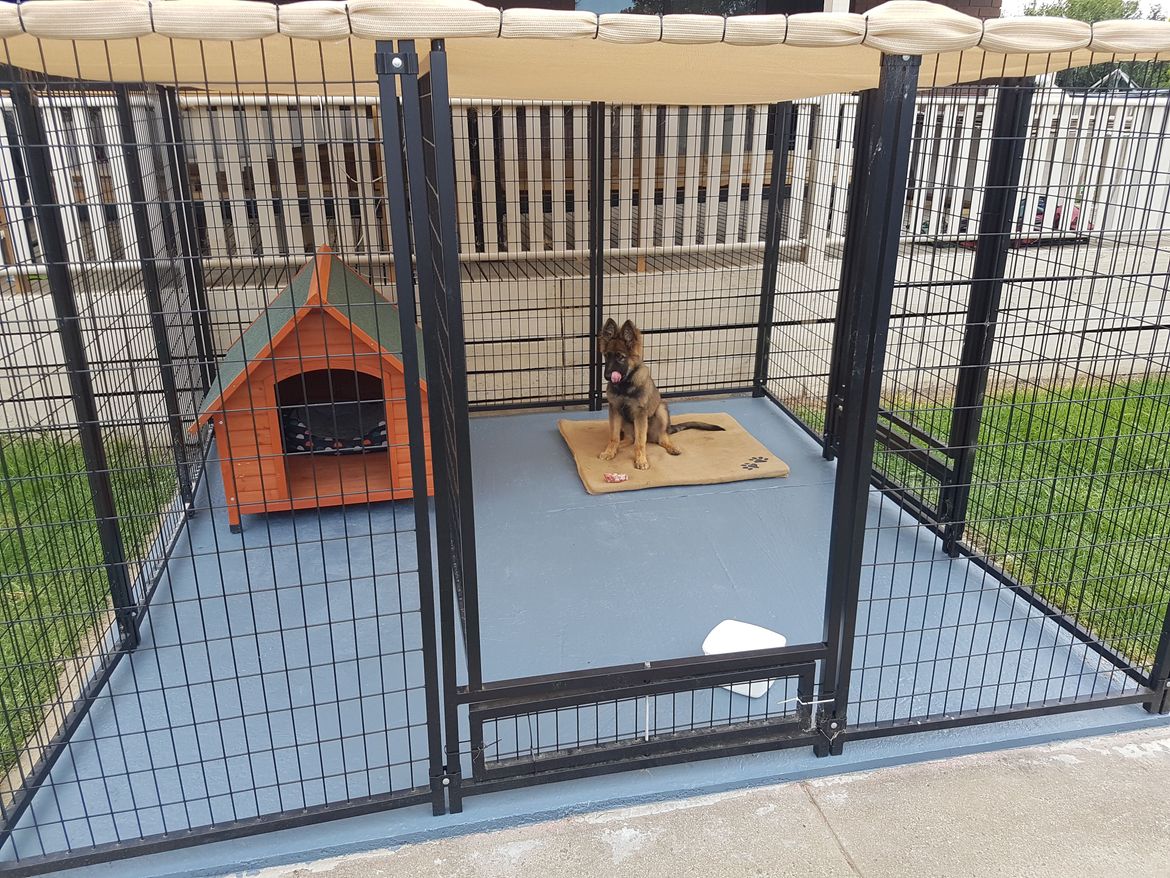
x=753 y=463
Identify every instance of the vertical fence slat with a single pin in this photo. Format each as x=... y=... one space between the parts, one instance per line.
x=535 y=177
x=228 y=143
x=669 y=163
x=123 y=218
x=511 y=171
x=735 y=175
x=694 y=140
x=60 y=167
x=285 y=128
x=755 y=201
x=196 y=122
x=627 y=233
x=255 y=125
x=559 y=169
x=486 y=124
x=800 y=166
x=846 y=112
x=364 y=186
x=88 y=168
x=580 y=177
x=712 y=155
x=980 y=152
x=465 y=206
x=647 y=184
x=14 y=225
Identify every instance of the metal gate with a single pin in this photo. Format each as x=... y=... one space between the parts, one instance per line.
x=507 y=733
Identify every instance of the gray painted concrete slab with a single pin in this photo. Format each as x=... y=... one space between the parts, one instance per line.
x=283 y=670
x=649 y=787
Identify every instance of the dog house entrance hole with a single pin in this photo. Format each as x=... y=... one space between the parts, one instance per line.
x=332 y=412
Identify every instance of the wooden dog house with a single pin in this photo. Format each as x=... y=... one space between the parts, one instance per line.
x=309 y=404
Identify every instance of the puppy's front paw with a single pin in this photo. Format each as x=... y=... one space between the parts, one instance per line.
x=610 y=452
x=675 y=450
x=642 y=463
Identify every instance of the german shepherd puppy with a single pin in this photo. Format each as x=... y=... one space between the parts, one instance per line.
x=633 y=399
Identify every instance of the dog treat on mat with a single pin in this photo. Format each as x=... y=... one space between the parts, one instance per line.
x=616 y=477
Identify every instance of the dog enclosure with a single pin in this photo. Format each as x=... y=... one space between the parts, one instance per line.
x=898 y=249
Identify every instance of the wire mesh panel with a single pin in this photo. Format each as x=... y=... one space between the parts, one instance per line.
x=1024 y=411
x=666 y=719
x=94 y=479
x=683 y=194
x=211 y=587
x=522 y=181
x=218 y=431
x=800 y=341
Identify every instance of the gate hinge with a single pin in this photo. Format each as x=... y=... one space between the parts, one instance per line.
x=1161 y=703
x=830 y=735
x=447 y=777
x=396 y=63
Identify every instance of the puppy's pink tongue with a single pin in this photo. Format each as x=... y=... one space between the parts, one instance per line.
x=615 y=377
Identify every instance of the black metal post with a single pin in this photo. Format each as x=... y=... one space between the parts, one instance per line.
x=1013 y=108
x=876 y=200
x=188 y=235
x=781 y=128
x=446 y=230
x=433 y=254
x=1160 y=671
x=153 y=290
x=400 y=239
x=598 y=192
x=53 y=248
x=838 y=365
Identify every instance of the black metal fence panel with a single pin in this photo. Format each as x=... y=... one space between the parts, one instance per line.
x=216 y=620
x=248 y=332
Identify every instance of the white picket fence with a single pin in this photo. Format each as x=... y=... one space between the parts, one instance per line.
x=1092 y=163
x=276 y=176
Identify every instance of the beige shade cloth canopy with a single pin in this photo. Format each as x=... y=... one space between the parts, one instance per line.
x=326 y=47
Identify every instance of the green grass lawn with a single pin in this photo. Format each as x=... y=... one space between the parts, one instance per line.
x=53 y=589
x=1072 y=496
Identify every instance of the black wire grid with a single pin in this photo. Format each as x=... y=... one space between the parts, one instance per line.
x=1011 y=555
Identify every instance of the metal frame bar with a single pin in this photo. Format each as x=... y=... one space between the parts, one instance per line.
x=153 y=291
x=877 y=196
x=1160 y=673
x=598 y=192
x=437 y=402
x=745 y=745
x=448 y=229
x=435 y=226
x=393 y=159
x=831 y=443
x=614 y=754
x=598 y=681
x=1001 y=187
x=781 y=124
x=990 y=715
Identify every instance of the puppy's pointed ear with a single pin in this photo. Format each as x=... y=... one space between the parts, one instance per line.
x=629 y=332
x=610 y=329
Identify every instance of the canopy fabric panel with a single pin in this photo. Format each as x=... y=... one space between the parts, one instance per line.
x=326 y=47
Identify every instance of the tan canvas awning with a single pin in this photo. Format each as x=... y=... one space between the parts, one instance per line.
x=327 y=47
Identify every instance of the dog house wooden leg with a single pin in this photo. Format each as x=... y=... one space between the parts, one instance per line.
x=234 y=519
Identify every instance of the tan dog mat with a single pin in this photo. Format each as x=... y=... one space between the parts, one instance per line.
x=708 y=458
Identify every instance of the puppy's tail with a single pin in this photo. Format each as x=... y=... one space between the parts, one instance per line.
x=693 y=425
